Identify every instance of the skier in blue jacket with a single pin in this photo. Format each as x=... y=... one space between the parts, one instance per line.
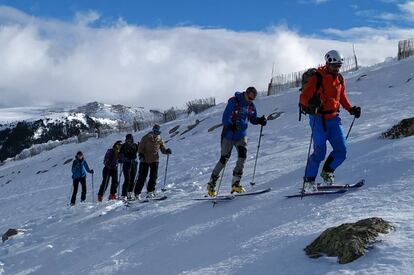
x=79 y=169
x=239 y=111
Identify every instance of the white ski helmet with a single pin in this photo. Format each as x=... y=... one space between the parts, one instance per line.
x=334 y=57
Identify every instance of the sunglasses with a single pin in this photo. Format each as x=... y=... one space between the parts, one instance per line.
x=337 y=65
x=251 y=97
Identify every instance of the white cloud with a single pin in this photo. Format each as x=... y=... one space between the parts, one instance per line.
x=86 y=18
x=45 y=61
x=320 y=1
x=408 y=9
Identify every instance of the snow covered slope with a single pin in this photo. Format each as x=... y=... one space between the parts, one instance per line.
x=263 y=234
x=29 y=126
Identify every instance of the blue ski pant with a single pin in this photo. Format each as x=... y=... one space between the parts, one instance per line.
x=335 y=135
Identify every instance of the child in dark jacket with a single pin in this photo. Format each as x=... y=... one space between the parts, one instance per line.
x=110 y=170
x=79 y=169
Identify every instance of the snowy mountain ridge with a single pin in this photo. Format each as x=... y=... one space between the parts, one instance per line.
x=264 y=234
x=40 y=125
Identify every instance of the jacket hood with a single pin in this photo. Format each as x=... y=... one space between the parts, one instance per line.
x=239 y=96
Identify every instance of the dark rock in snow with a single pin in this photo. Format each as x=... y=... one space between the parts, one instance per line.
x=67 y=161
x=403 y=129
x=348 y=241
x=9 y=233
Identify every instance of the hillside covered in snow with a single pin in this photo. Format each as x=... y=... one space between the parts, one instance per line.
x=263 y=234
x=24 y=127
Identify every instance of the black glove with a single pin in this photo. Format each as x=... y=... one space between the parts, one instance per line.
x=168 y=151
x=92 y=171
x=262 y=120
x=355 y=111
x=141 y=157
x=233 y=127
x=314 y=104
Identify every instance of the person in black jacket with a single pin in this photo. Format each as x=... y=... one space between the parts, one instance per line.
x=128 y=157
x=110 y=170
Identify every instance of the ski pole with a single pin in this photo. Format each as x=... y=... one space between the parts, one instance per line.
x=257 y=154
x=272 y=116
x=106 y=182
x=119 y=178
x=70 y=194
x=218 y=188
x=307 y=160
x=136 y=176
x=165 y=174
x=93 y=196
x=350 y=127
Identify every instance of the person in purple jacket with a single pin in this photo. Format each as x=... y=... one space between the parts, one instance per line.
x=240 y=110
x=110 y=170
x=79 y=169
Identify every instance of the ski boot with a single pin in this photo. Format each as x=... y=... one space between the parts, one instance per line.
x=100 y=198
x=129 y=196
x=112 y=197
x=310 y=185
x=237 y=187
x=151 y=195
x=328 y=177
x=211 y=190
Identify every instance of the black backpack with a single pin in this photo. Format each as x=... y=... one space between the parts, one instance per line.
x=305 y=79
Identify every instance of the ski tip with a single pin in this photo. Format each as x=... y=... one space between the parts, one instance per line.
x=361 y=182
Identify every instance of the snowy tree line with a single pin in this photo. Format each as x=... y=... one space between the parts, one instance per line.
x=294 y=80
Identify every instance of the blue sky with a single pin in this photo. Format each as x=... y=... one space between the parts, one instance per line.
x=305 y=16
x=163 y=53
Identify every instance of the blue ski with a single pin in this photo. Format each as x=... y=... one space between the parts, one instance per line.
x=317 y=193
x=358 y=184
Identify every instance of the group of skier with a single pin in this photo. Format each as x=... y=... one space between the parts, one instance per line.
x=124 y=155
x=320 y=98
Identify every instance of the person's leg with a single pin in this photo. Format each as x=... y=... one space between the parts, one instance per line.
x=319 y=147
x=83 y=184
x=153 y=177
x=114 y=182
x=226 y=147
x=142 y=176
x=241 y=147
x=337 y=140
x=127 y=173
x=75 y=191
x=133 y=175
x=105 y=180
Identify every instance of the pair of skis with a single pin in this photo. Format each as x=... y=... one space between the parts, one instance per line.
x=329 y=189
x=130 y=202
x=233 y=196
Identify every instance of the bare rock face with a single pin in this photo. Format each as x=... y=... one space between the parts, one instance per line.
x=348 y=241
x=403 y=129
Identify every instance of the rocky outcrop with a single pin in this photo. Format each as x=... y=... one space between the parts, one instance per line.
x=403 y=129
x=10 y=232
x=348 y=241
